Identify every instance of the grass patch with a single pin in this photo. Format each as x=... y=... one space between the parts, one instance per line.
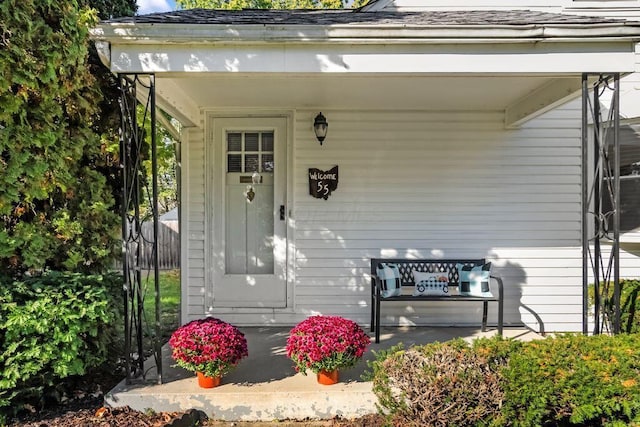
x=169 y=302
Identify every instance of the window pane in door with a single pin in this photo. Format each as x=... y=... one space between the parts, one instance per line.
x=234 y=163
x=251 y=163
x=234 y=141
x=267 y=141
x=251 y=142
x=267 y=163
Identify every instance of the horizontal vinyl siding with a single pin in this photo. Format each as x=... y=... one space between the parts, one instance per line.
x=195 y=224
x=447 y=185
x=630 y=261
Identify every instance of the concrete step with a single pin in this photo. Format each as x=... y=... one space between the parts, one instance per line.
x=265 y=386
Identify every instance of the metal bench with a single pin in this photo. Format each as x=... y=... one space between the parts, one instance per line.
x=406 y=268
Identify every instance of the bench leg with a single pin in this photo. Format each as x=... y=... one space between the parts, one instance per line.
x=377 y=320
x=484 y=315
x=500 y=315
x=373 y=313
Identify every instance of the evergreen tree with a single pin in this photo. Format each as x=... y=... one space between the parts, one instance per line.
x=56 y=209
x=106 y=122
x=108 y=9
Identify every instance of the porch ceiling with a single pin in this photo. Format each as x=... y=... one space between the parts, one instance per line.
x=184 y=95
x=520 y=62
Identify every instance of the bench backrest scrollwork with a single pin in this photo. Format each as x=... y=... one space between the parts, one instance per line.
x=407 y=266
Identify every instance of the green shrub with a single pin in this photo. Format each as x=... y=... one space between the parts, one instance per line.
x=629 y=304
x=574 y=380
x=57 y=206
x=52 y=327
x=441 y=384
x=569 y=380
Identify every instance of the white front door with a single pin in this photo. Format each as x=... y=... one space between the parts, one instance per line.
x=249 y=244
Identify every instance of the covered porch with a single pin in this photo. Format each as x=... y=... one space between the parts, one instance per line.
x=457 y=134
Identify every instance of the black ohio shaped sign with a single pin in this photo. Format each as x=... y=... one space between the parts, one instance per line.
x=323 y=183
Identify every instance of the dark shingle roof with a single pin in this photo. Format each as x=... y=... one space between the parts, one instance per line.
x=348 y=16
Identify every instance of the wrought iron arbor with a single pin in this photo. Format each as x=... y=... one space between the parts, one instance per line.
x=137 y=147
x=601 y=201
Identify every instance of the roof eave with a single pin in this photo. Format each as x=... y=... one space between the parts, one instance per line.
x=255 y=33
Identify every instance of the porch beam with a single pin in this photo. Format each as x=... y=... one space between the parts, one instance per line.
x=166 y=124
x=169 y=127
x=559 y=59
x=177 y=104
x=543 y=99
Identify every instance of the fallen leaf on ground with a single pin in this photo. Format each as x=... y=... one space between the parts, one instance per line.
x=102 y=412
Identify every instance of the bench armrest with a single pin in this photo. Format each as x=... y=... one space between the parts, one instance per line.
x=376 y=284
x=500 y=302
x=498 y=279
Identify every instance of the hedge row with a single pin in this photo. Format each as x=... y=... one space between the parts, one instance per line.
x=52 y=327
x=629 y=304
x=569 y=380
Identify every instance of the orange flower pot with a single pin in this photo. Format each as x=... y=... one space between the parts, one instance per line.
x=328 y=378
x=207 y=382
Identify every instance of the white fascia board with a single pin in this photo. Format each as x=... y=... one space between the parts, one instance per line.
x=391 y=34
x=546 y=58
x=175 y=133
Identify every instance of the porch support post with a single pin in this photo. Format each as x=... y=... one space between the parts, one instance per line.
x=601 y=201
x=585 y=201
x=156 y=223
x=139 y=250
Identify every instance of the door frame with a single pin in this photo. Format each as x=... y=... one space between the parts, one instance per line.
x=214 y=180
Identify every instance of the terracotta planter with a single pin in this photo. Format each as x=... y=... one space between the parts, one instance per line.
x=207 y=382
x=328 y=377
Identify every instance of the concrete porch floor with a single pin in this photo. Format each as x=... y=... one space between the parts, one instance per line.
x=265 y=387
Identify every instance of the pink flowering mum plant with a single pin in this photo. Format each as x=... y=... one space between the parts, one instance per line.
x=209 y=345
x=326 y=343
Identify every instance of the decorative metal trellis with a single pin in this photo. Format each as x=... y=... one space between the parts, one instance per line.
x=136 y=146
x=601 y=201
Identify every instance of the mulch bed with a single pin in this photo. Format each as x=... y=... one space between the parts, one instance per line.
x=89 y=412
x=73 y=416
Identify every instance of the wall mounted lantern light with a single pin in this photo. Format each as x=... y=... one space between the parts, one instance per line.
x=320 y=127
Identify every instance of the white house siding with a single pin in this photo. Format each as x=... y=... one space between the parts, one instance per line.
x=426 y=184
x=193 y=227
x=420 y=184
x=630 y=261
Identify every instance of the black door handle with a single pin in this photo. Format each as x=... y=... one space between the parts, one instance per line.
x=281 y=212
